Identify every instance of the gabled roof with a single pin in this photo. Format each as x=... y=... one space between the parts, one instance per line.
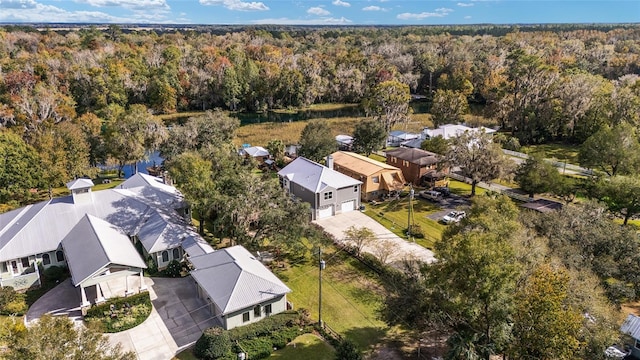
x=315 y=177
x=415 y=143
x=79 y=184
x=256 y=151
x=153 y=190
x=631 y=326
x=234 y=279
x=40 y=227
x=344 y=139
x=94 y=244
x=359 y=163
x=415 y=156
x=403 y=135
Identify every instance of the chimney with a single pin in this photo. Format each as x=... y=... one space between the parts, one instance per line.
x=329 y=162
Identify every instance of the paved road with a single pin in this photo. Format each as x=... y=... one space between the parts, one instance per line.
x=402 y=249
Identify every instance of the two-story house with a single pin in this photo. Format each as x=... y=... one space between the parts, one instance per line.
x=418 y=166
x=328 y=191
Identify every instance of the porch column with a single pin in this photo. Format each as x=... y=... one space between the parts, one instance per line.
x=85 y=302
x=143 y=286
x=99 y=294
x=127 y=291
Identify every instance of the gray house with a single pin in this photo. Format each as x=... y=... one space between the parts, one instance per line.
x=328 y=191
x=631 y=327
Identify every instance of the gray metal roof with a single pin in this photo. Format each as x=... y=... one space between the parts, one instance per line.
x=79 y=184
x=41 y=227
x=234 y=279
x=94 y=244
x=195 y=245
x=315 y=177
x=631 y=326
x=415 y=156
x=153 y=189
x=256 y=151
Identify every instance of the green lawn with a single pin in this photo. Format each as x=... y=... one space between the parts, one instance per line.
x=308 y=347
x=350 y=296
x=561 y=152
x=463 y=189
x=394 y=215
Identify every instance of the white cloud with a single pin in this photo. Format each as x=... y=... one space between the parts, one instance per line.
x=17 y=4
x=440 y=12
x=318 y=11
x=238 y=5
x=467 y=17
x=318 y=21
x=128 y=4
x=465 y=4
x=341 y=3
x=372 y=8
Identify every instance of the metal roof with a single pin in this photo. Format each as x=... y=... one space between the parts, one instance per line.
x=94 y=244
x=234 y=279
x=631 y=326
x=256 y=151
x=449 y=131
x=41 y=227
x=315 y=177
x=79 y=184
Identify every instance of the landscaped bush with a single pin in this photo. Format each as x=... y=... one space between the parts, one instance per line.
x=173 y=269
x=119 y=314
x=416 y=231
x=12 y=302
x=347 y=350
x=213 y=344
x=54 y=274
x=257 y=340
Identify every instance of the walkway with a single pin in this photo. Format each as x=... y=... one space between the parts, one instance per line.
x=177 y=319
x=401 y=249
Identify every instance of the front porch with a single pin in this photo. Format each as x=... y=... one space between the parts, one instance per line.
x=109 y=285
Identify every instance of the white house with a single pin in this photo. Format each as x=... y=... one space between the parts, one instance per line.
x=237 y=287
x=449 y=131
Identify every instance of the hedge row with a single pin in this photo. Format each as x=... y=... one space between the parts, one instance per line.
x=257 y=340
x=127 y=313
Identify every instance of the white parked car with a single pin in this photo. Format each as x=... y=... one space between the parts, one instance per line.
x=454 y=217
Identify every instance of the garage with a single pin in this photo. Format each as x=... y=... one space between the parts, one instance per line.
x=348 y=206
x=325 y=213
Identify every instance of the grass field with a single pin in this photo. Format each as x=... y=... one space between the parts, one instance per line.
x=350 y=296
x=394 y=215
x=308 y=347
x=560 y=152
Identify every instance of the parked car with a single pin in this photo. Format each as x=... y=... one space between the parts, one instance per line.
x=454 y=217
x=430 y=195
x=443 y=190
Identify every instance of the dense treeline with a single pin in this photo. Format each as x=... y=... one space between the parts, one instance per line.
x=541 y=82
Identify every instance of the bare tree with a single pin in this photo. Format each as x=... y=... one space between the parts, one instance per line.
x=359 y=237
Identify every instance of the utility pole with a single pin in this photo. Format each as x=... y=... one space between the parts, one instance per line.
x=321 y=266
x=410 y=213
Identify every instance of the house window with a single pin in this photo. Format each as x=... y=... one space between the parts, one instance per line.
x=165 y=256
x=25 y=262
x=256 y=311
x=245 y=317
x=14 y=266
x=46 y=259
x=4 y=267
x=355 y=188
x=394 y=159
x=375 y=179
x=176 y=254
x=59 y=256
x=405 y=163
x=328 y=195
x=267 y=310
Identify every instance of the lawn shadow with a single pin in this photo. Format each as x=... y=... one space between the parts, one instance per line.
x=366 y=338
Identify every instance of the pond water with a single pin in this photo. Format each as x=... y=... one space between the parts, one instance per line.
x=154 y=159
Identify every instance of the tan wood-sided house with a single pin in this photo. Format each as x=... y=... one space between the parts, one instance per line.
x=378 y=179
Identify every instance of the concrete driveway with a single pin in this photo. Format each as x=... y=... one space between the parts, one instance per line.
x=177 y=319
x=402 y=249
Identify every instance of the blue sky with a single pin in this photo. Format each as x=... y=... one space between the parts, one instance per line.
x=322 y=12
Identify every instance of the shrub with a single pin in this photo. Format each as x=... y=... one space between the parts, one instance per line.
x=54 y=273
x=213 y=344
x=152 y=268
x=347 y=350
x=12 y=302
x=173 y=269
x=119 y=314
x=415 y=230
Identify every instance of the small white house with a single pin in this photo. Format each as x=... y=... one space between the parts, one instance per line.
x=237 y=287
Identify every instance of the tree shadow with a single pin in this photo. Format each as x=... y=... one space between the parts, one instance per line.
x=366 y=338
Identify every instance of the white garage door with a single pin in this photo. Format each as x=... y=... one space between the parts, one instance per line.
x=325 y=213
x=348 y=206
